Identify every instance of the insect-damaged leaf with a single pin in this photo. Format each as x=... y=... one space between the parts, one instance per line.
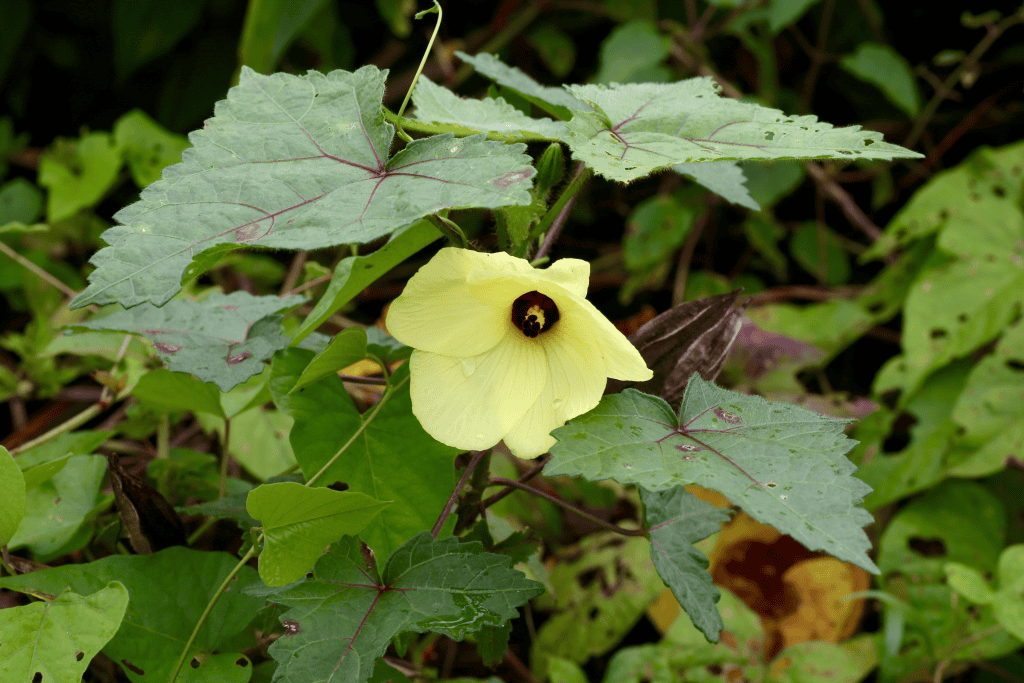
x=342 y=619
x=295 y=162
x=782 y=464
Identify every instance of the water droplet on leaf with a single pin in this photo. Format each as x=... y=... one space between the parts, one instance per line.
x=468 y=367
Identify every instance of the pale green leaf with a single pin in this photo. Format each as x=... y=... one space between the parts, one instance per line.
x=677 y=519
x=147 y=146
x=295 y=162
x=299 y=522
x=782 y=464
x=968 y=582
x=555 y=101
x=259 y=440
x=724 y=178
x=638 y=128
x=223 y=339
x=436 y=104
x=12 y=496
x=55 y=640
x=885 y=68
x=343 y=619
x=77 y=174
x=168 y=591
x=564 y=671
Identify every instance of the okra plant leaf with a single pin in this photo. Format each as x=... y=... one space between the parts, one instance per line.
x=342 y=620
x=724 y=178
x=436 y=104
x=635 y=129
x=300 y=521
x=555 y=101
x=168 y=591
x=223 y=339
x=677 y=519
x=294 y=162
x=784 y=465
x=55 y=640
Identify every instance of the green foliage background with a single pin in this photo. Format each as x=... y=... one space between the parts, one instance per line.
x=888 y=291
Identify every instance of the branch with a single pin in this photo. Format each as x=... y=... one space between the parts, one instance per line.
x=501 y=481
x=473 y=462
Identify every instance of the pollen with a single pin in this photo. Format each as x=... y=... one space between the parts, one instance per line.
x=534 y=313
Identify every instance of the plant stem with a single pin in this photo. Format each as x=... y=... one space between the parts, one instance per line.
x=580 y=176
x=450 y=230
x=225 y=457
x=527 y=476
x=366 y=423
x=501 y=481
x=209 y=608
x=80 y=419
x=426 y=54
x=378 y=381
x=443 y=517
x=70 y=293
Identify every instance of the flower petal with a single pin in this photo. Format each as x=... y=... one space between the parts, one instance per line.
x=571 y=273
x=437 y=313
x=621 y=359
x=473 y=402
x=576 y=381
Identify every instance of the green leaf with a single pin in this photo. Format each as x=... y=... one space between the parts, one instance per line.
x=40 y=463
x=77 y=174
x=782 y=13
x=556 y=49
x=768 y=183
x=724 y=178
x=57 y=508
x=270 y=27
x=178 y=391
x=168 y=591
x=299 y=522
x=677 y=519
x=258 y=440
x=654 y=230
x=633 y=53
x=342 y=620
x=598 y=596
x=882 y=66
x=806 y=247
x=822 y=662
x=223 y=339
x=563 y=671
x=147 y=29
x=20 y=201
x=148 y=147
x=636 y=129
x=968 y=582
x=54 y=641
x=554 y=101
x=1009 y=603
x=419 y=470
x=348 y=347
x=353 y=274
x=492 y=643
x=782 y=464
x=12 y=496
x=295 y=163
x=436 y=104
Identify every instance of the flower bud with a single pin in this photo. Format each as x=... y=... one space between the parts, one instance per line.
x=550 y=169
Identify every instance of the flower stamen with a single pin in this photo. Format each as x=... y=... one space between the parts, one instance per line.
x=534 y=313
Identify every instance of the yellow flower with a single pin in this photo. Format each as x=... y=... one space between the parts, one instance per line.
x=506 y=351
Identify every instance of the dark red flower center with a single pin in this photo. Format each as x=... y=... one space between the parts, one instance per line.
x=534 y=313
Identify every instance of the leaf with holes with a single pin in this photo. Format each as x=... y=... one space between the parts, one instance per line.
x=168 y=591
x=436 y=104
x=295 y=162
x=299 y=522
x=223 y=339
x=638 y=128
x=342 y=620
x=784 y=465
x=54 y=641
x=677 y=519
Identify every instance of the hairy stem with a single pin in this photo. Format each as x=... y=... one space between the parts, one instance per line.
x=580 y=176
x=501 y=481
x=447 y=510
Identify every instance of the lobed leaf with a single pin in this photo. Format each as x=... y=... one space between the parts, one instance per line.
x=555 y=101
x=637 y=128
x=294 y=162
x=781 y=463
x=342 y=620
x=223 y=339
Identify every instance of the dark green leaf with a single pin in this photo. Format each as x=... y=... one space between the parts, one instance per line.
x=177 y=392
x=147 y=29
x=348 y=347
x=492 y=643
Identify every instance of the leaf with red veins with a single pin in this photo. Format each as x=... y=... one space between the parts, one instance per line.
x=638 y=128
x=343 y=617
x=223 y=339
x=294 y=162
x=783 y=464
